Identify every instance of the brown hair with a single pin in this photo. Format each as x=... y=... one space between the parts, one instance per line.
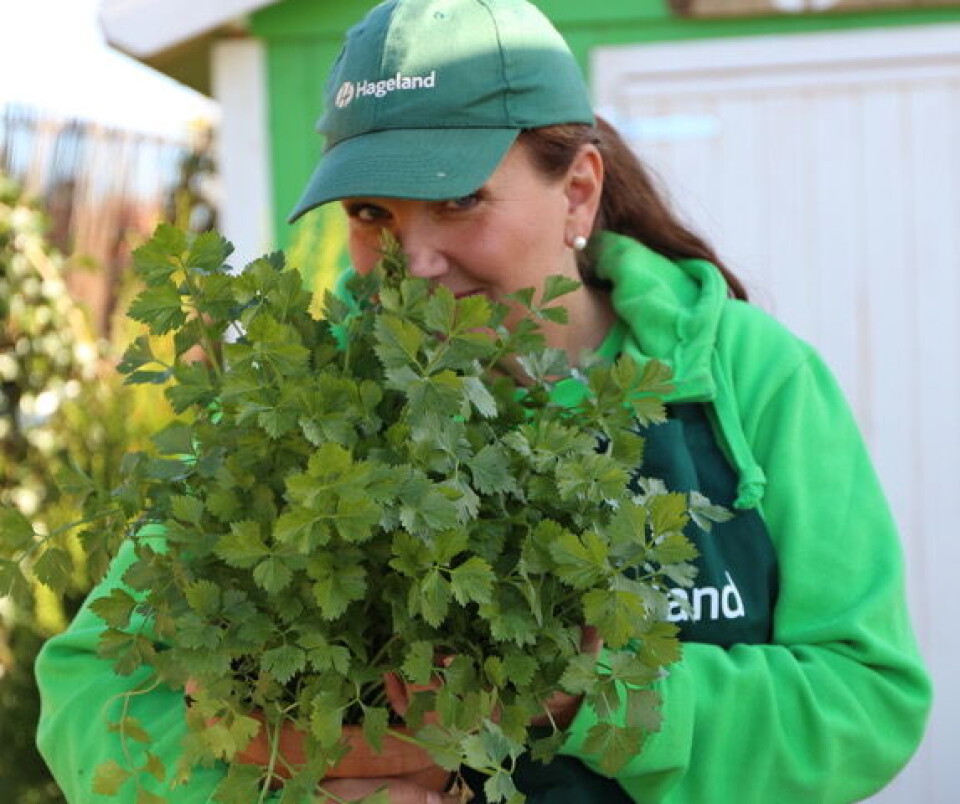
x=631 y=203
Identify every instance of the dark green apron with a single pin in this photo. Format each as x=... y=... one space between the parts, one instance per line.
x=732 y=600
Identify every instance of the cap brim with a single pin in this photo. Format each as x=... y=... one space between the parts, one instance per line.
x=429 y=163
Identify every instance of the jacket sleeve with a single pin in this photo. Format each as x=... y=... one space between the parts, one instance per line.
x=81 y=694
x=836 y=704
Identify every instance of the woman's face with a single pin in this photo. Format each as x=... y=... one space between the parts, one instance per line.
x=512 y=233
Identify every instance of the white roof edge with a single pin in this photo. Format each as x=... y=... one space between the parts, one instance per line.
x=143 y=28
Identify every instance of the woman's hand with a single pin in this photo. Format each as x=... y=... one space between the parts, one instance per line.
x=401 y=792
x=562 y=706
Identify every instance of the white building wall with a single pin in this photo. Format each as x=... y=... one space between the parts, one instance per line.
x=826 y=169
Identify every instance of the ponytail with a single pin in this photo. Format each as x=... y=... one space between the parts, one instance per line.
x=631 y=203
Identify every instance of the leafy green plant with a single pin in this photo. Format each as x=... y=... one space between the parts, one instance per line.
x=61 y=405
x=392 y=488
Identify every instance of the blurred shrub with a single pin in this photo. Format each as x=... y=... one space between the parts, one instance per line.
x=62 y=407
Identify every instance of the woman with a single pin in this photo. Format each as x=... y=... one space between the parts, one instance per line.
x=463 y=128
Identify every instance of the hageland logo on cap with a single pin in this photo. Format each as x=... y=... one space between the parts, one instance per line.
x=344 y=94
x=357 y=89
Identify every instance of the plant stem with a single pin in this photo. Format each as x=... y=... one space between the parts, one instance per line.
x=209 y=347
x=273 y=733
x=44 y=540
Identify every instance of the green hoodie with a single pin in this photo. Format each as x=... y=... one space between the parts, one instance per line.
x=827 y=710
x=836 y=702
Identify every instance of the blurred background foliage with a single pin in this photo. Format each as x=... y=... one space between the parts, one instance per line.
x=63 y=292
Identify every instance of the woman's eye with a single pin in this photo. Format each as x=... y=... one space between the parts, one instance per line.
x=365 y=213
x=463 y=203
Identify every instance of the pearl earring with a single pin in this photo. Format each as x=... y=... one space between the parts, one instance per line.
x=579 y=243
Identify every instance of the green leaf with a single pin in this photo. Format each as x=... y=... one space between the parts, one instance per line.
x=324 y=656
x=187 y=509
x=480 y=397
x=203 y=596
x=284 y=662
x=544 y=749
x=494 y=671
x=207 y=252
x=145 y=796
x=680 y=574
x=273 y=574
x=192 y=387
x=613 y=746
x=243 y=546
x=580 y=675
x=519 y=668
x=174 y=439
x=656 y=378
x=159 y=307
x=277 y=421
x=556 y=286
x=524 y=296
x=139 y=354
x=338 y=582
x=661 y=645
x=490 y=469
x=218 y=740
x=399 y=341
x=418 y=665
x=53 y=568
x=617 y=614
x=326 y=721
x=356 y=517
x=13 y=583
x=489 y=748
x=114 y=609
x=580 y=561
x=442 y=391
x=557 y=315
x=668 y=512
x=16 y=531
x=440 y=311
x=224 y=504
x=375 y=723
x=432 y=600
x=427 y=506
x=508 y=621
x=705 y=514
x=472 y=581
x=500 y=787
x=130 y=728
x=648 y=410
x=535 y=553
x=673 y=548
x=643 y=710
x=165 y=469
x=109 y=778
x=70 y=480
x=242 y=783
x=159 y=256
x=195 y=633
x=302 y=528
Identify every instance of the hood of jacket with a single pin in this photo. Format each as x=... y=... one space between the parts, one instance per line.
x=671 y=312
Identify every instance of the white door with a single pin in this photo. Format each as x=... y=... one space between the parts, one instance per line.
x=826 y=169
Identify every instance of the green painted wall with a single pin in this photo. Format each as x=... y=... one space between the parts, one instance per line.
x=303 y=38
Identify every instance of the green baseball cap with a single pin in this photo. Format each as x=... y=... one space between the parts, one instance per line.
x=427 y=96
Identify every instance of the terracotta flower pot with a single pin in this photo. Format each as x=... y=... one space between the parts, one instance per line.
x=397 y=759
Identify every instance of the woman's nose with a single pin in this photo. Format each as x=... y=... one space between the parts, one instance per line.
x=426 y=257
